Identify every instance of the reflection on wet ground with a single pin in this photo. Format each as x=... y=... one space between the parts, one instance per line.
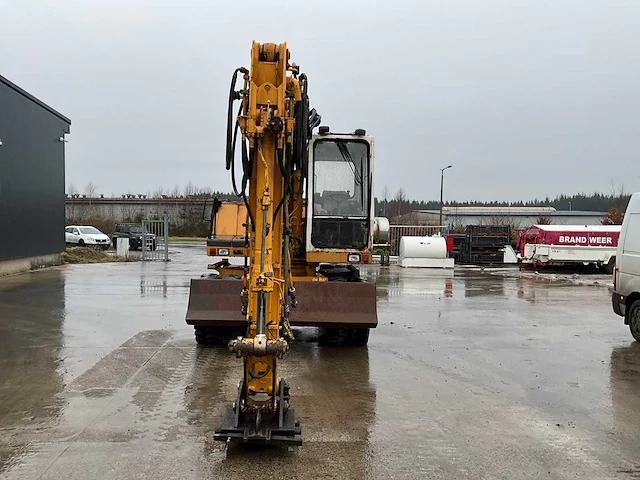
x=625 y=397
x=31 y=318
x=471 y=373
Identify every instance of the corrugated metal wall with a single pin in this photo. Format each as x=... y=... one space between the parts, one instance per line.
x=32 y=175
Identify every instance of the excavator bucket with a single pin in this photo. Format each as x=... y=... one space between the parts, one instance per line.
x=216 y=302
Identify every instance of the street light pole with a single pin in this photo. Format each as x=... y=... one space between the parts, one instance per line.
x=441 y=192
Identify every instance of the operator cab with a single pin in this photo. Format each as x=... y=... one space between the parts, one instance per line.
x=341 y=201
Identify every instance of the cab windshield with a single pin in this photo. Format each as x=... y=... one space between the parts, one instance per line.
x=340 y=178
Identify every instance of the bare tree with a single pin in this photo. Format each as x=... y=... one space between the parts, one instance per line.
x=400 y=199
x=204 y=191
x=158 y=192
x=515 y=225
x=385 y=198
x=616 y=191
x=457 y=222
x=175 y=193
x=190 y=189
x=90 y=190
x=71 y=189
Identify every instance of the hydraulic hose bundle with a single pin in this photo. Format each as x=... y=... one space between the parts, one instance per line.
x=296 y=156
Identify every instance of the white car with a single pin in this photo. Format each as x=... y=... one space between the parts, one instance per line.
x=84 y=235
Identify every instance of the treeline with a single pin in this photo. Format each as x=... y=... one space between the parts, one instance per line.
x=596 y=202
x=190 y=190
x=398 y=204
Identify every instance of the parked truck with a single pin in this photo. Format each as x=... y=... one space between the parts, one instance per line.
x=569 y=245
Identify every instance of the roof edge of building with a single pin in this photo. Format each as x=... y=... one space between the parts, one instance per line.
x=454 y=212
x=40 y=103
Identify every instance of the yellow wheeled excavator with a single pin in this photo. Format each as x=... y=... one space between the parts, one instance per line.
x=304 y=223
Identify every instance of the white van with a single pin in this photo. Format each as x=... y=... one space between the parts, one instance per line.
x=626 y=274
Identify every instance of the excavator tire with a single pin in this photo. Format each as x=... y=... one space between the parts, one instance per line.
x=351 y=337
x=344 y=336
x=208 y=336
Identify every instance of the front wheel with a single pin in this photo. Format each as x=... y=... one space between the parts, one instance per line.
x=361 y=336
x=212 y=336
x=81 y=243
x=344 y=336
x=633 y=316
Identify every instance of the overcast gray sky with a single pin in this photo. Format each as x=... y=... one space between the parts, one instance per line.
x=524 y=98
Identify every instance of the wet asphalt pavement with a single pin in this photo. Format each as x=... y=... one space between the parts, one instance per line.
x=472 y=374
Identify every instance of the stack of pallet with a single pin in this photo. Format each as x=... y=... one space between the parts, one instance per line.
x=483 y=244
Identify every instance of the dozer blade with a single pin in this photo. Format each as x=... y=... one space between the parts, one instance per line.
x=320 y=304
x=215 y=302
x=335 y=304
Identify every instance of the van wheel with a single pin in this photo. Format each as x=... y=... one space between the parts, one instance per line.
x=634 y=320
x=609 y=266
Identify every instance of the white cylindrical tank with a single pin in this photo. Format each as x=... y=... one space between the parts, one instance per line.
x=380 y=230
x=423 y=247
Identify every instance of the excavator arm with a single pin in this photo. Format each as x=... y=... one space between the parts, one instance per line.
x=270 y=99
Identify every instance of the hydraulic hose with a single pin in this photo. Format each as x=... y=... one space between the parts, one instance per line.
x=287 y=188
x=306 y=121
x=232 y=137
x=236 y=192
x=233 y=96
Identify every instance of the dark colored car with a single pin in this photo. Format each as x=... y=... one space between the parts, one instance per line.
x=134 y=232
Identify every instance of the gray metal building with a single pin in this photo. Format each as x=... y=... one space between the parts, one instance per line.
x=520 y=217
x=32 y=181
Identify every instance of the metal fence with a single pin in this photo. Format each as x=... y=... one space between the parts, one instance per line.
x=396 y=232
x=156 y=244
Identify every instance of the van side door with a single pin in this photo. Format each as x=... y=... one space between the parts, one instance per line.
x=628 y=257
